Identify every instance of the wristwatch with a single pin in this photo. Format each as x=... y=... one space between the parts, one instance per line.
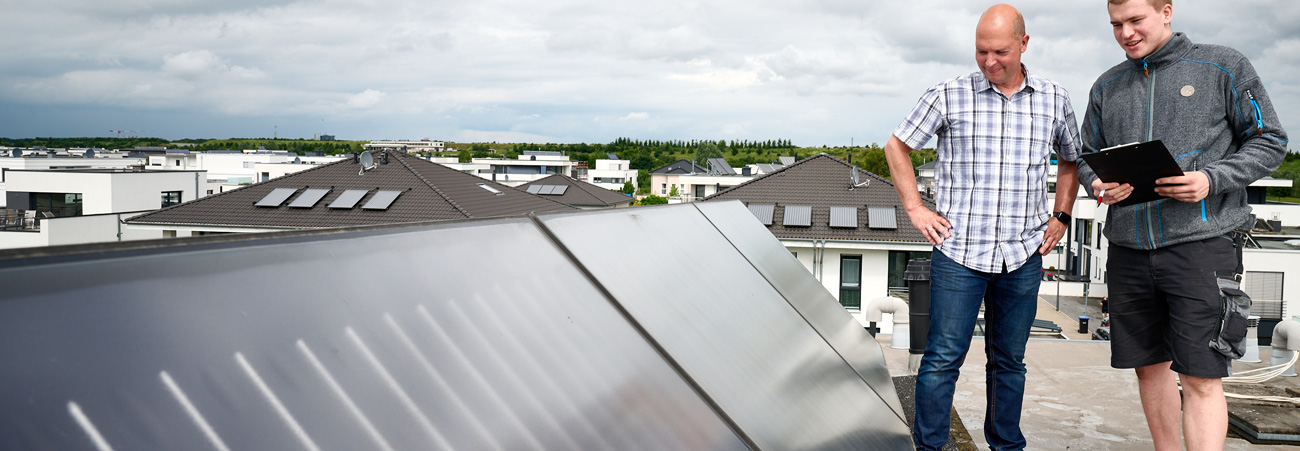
x=1063 y=217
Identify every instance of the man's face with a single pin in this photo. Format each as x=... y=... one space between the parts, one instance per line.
x=998 y=50
x=1139 y=27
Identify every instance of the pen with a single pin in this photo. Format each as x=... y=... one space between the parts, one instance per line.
x=1100 y=195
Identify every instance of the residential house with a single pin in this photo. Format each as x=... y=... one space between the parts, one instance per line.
x=612 y=173
x=576 y=193
x=396 y=188
x=846 y=225
x=693 y=182
x=530 y=166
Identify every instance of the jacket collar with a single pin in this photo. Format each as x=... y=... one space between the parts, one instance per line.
x=1167 y=54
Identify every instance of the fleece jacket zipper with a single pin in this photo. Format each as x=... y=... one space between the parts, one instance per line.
x=1151 y=108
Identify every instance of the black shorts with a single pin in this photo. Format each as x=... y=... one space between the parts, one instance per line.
x=1164 y=305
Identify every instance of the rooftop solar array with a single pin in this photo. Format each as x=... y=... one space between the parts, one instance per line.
x=275 y=197
x=381 y=200
x=882 y=218
x=844 y=217
x=763 y=212
x=348 y=199
x=719 y=166
x=309 y=198
x=797 y=216
x=188 y=345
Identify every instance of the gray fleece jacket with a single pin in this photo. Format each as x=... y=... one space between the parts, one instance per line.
x=1209 y=107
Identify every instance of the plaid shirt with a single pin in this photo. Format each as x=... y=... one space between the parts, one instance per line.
x=990 y=180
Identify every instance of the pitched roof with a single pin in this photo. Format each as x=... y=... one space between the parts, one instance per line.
x=427 y=191
x=681 y=167
x=825 y=184
x=578 y=194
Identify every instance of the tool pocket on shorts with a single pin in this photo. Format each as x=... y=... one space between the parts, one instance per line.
x=1234 y=307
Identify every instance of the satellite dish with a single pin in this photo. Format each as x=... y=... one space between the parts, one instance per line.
x=297 y=160
x=857 y=179
x=367 y=162
x=90 y=153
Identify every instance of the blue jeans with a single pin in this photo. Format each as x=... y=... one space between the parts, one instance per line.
x=955 y=296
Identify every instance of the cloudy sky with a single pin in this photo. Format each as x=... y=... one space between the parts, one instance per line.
x=818 y=72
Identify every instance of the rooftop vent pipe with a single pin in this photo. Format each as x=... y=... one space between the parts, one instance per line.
x=1284 y=345
x=873 y=310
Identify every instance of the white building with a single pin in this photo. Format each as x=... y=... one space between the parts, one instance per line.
x=409 y=147
x=228 y=169
x=34 y=162
x=54 y=207
x=693 y=182
x=530 y=166
x=612 y=174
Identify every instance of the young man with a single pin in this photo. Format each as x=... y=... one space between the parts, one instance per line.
x=997 y=129
x=1208 y=106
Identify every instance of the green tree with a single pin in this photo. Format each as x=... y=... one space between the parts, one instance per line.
x=643 y=181
x=628 y=188
x=673 y=192
x=465 y=155
x=706 y=150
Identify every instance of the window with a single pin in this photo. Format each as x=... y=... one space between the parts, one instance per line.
x=170 y=198
x=663 y=189
x=178 y=163
x=699 y=190
x=1261 y=285
x=1083 y=229
x=898 y=266
x=851 y=281
x=266 y=176
x=58 y=204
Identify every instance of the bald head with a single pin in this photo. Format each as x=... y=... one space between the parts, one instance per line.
x=1002 y=18
x=1000 y=39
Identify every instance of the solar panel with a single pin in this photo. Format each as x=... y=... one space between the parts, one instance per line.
x=276 y=197
x=786 y=161
x=798 y=216
x=720 y=166
x=349 y=199
x=558 y=190
x=846 y=217
x=533 y=189
x=882 y=218
x=763 y=212
x=309 y=198
x=381 y=200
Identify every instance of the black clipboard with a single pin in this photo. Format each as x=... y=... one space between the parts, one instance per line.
x=1137 y=164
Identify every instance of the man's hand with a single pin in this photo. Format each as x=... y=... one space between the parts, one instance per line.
x=934 y=227
x=1055 y=230
x=1189 y=187
x=1114 y=192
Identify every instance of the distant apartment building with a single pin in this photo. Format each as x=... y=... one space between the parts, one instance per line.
x=612 y=173
x=408 y=147
x=12 y=159
x=528 y=167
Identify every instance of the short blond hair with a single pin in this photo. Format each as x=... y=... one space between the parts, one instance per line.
x=1157 y=4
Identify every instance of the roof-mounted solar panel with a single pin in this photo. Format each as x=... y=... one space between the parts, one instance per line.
x=309 y=198
x=381 y=200
x=276 y=197
x=797 y=216
x=882 y=218
x=844 y=217
x=763 y=212
x=348 y=199
x=558 y=190
x=533 y=189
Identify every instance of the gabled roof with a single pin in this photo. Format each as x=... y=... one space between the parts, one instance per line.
x=681 y=167
x=930 y=165
x=426 y=192
x=823 y=183
x=578 y=193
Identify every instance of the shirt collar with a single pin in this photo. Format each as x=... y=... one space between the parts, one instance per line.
x=1031 y=84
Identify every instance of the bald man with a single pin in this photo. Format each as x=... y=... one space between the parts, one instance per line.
x=997 y=129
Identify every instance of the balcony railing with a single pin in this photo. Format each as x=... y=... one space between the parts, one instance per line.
x=20 y=221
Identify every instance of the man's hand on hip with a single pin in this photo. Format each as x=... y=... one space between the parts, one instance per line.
x=1055 y=230
x=934 y=227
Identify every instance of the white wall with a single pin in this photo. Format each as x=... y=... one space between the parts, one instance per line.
x=78 y=230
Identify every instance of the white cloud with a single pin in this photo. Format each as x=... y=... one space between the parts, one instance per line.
x=638 y=116
x=365 y=99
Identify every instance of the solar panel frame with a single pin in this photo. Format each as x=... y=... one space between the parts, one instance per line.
x=533 y=189
x=559 y=190
x=309 y=198
x=348 y=199
x=882 y=218
x=844 y=217
x=276 y=197
x=797 y=216
x=381 y=200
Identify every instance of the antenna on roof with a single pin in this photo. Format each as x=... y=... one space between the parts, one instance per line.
x=367 y=162
x=857 y=179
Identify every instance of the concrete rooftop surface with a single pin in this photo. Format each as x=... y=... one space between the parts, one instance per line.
x=1073 y=399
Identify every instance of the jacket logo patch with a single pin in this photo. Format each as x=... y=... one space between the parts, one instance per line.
x=1187 y=91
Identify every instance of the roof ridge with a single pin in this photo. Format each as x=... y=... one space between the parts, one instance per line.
x=431 y=186
x=585 y=190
